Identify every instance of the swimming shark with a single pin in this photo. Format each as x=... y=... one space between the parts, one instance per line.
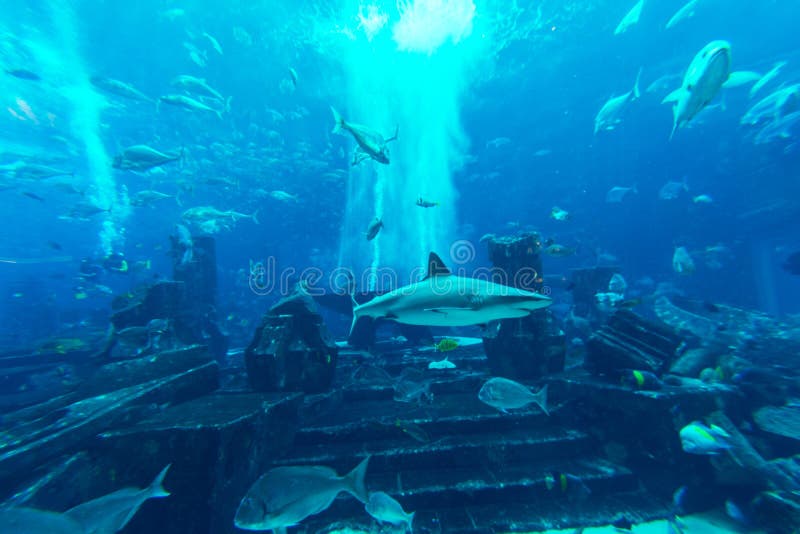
x=444 y=299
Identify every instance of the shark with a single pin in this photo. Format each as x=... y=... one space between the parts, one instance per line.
x=444 y=299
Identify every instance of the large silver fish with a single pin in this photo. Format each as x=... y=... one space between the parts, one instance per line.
x=284 y=496
x=110 y=513
x=371 y=144
x=707 y=72
x=505 y=394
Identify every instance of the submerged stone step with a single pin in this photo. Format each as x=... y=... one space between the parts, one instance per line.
x=534 y=514
x=522 y=445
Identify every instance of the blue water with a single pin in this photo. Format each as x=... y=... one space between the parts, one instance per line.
x=452 y=80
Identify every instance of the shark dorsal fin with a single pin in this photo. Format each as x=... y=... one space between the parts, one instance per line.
x=436 y=267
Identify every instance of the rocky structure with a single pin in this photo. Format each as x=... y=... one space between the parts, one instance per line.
x=292 y=349
x=532 y=346
x=630 y=342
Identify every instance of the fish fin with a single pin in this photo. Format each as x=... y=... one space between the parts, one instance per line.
x=356 y=316
x=156 y=489
x=410 y=521
x=540 y=398
x=673 y=96
x=255 y=217
x=636 y=92
x=436 y=266
x=355 y=480
x=178 y=200
x=674 y=127
x=394 y=137
x=228 y=104
x=338 y=121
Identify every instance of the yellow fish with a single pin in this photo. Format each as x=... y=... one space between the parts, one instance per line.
x=446 y=345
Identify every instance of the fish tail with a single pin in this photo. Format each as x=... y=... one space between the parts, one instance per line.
x=255 y=217
x=338 y=121
x=178 y=200
x=355 y=480
x=540 y=398
x=228 y=104
x=156 y=489
x=674 y=127
x=410 y=521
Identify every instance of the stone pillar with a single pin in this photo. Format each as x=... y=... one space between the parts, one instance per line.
x=292 y=350
x=532 y=346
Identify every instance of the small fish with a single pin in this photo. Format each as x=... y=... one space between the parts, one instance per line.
x=54 y=245
x=373 y=229
x=214 y=43
x=505 y=394
x=34 y=196
x=702 y=199
x=644 y=380
x=116 y=87
x=24 y=74
x=558 y=214
x=559 y=251
x=611 y=113
x=682 y=262
x=387 y=510
x=736 y=513
x=422 y=203
x=687 y=11
x=773 y=72
x=413 y=430
x=630 y=19
x=446 y=345
x=143 y=157
x=617 y=284
x=185 y=102
x=697 y=438
x=442 y=364
x=617 y=194
x=672 y=190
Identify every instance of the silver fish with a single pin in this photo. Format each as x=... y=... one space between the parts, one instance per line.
x=371 y=144
x=505 y=394
x=112 y=512
x=385 y=509
x=284 y=496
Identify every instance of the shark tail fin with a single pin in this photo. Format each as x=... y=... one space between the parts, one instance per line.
x=255 y=217
x=540 y=398
x=356 y=316
x=396 y=132
x=355 y=480
x=156 y=489
x=674 y=127
x=338 y=121
x=636 y=92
